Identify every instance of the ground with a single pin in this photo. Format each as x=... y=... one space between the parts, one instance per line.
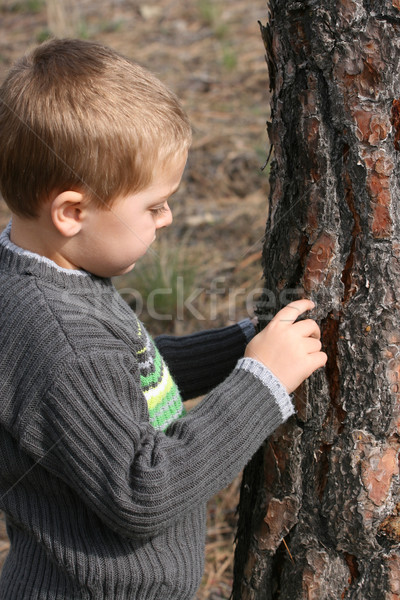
x=211 y=54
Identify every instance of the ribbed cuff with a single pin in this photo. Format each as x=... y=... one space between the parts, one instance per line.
x=248 y=329
x=271 y=382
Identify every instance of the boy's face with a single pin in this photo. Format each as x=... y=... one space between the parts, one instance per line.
x=114 y=239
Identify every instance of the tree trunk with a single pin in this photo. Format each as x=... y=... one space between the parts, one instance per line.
x=320 y=502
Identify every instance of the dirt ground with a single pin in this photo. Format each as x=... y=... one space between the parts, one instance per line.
x=211 y=54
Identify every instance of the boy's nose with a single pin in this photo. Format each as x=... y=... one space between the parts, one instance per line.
x=165 y=219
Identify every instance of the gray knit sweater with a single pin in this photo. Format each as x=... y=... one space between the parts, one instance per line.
x=99 y=504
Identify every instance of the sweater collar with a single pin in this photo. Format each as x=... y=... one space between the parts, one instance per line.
x=16 y=259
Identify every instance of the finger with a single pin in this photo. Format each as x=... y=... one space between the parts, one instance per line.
x=293 y=310
x=308 y=328
x=312 y=345
x=317 y=359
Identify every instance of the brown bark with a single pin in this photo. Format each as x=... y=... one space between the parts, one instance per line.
x=320 y=503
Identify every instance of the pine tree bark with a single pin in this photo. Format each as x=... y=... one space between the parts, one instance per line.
x=320 y=502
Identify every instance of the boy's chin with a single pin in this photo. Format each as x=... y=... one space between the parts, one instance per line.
x=129 y=269
x=125 y=270
x=108 y=273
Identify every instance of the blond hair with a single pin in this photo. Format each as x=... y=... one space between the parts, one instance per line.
x=77 y=115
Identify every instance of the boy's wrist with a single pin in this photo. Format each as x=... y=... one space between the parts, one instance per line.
x=271 y=382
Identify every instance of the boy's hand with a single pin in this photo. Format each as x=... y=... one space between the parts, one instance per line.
x=290 y=350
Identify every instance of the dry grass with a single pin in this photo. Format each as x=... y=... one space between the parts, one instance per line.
x=210 y=52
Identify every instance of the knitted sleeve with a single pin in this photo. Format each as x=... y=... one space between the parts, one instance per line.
x=92 y=432
x=202 y=360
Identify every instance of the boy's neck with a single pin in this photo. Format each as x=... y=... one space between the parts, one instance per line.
x=38 y=236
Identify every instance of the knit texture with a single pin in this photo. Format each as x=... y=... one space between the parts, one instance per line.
x=202 y=360
x=99 y=503
x=160 y=390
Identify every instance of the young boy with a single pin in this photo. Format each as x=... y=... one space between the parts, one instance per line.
x=103 y=478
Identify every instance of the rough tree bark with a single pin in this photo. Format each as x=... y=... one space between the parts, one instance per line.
x=320 y=503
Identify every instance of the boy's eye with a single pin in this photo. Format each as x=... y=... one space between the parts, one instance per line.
x=159 y=210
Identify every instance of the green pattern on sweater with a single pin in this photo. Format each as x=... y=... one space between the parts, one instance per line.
x=163 y=399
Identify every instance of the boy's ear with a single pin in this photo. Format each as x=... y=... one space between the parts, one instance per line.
x=67 y=212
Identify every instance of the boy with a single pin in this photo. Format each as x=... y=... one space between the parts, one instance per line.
x=103 y=479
